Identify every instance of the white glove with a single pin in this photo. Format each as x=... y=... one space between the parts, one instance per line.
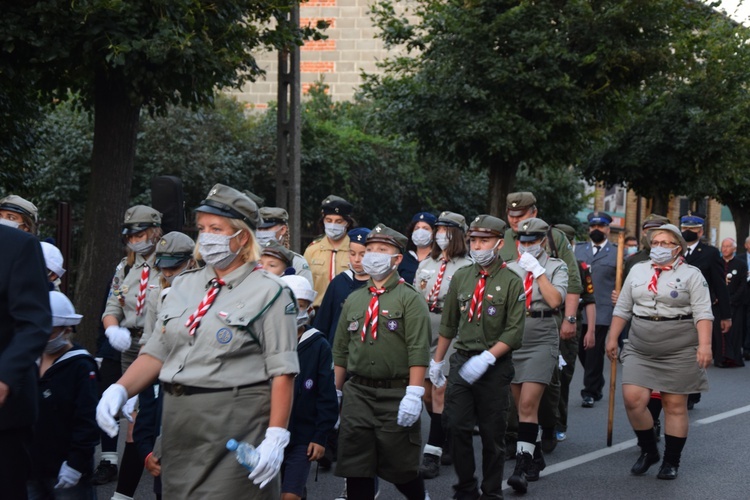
x=437 y=377
x=271 y=452
x=476 y=366
x=67 y=477
x=119 y=337
x=129 y=408
x=529 y=263
x=561 y=362
x=109 y=405
x=339 y=396
x=410 y=407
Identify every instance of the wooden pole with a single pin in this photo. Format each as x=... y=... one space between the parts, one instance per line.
x=613 y=364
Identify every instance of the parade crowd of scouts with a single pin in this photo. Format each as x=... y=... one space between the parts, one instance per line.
x=332 y=356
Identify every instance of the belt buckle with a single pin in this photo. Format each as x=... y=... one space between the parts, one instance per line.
x=528 y=313
x=655 y=318
x=178 y=390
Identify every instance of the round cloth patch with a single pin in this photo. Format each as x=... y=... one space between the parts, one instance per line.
x=393 y=325
x=308 y=384
x=492 y=310
x=224 y=336
x=674 y=294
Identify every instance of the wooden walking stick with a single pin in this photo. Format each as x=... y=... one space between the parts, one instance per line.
x=613 y=364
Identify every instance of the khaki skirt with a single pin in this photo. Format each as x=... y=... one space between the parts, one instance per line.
x=661 y=355
x=535 y=361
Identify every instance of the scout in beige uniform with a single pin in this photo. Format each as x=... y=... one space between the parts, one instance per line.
x=18 y=213
x=124 y=319
x=669 y=345
x=433 y=278
x=383 y=340
x=275 y=226
x=545 y=282
x=483 y=311
x=223 y=332
x=329 y=254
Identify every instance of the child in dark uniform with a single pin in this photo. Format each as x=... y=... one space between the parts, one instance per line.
x=66 y=434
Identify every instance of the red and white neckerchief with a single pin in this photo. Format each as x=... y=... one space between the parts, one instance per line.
x=432 y=300
x=332 y=267
x=475 y=308
x=195 y=319
x=140 y=301
x=528 y=288
x=373 y=311
x=655 y=277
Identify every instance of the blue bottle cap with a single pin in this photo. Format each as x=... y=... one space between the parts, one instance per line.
x=232 y=445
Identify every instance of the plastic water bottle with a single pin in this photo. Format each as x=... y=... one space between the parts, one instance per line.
x=245 y=453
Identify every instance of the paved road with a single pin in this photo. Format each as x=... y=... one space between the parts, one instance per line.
x=714 y=462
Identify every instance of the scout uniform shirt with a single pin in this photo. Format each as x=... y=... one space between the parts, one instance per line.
x=680 y=291
x=427 y=274
x=509 y=253
x=123 y=292
x=248 y=335
x=557 y=274
x=403 y=334
x=502 y=309
x=318 y=255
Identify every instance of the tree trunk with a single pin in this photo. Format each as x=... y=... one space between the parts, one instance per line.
x=660 y=206
x=741 y=217
x=116 y=120
x=502 y=176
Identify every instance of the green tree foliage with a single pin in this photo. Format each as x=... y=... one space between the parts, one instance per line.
x=498 y=83
x=689 y=134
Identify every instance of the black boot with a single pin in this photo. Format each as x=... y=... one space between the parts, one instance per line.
x=672 y=454
x=518 y=480
x=537 y=464
x=649 y=452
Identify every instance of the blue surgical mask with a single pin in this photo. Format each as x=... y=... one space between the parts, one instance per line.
x=335 y=231
x=661 y=256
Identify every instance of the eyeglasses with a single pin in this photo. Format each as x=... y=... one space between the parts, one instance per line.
x=664 y=244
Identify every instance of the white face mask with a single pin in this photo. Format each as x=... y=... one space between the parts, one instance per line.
x=630 y=250
x=661 y=256
x=485 y=257
x=535 y=250
x=421 y=237
x=9 y=223
x=142 y=247
x=215 y=250
x=56 y=344
x=264 y=237
x=378 y=265
x=442 y=240
x=335 y=231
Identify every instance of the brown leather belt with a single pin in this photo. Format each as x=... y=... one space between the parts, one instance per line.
x=665 y=318
x=187 y=390
x=385 y=383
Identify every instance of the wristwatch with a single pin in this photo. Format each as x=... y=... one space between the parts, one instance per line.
x=570 y=319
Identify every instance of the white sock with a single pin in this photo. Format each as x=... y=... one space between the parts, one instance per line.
x=120 y=496
x=433 y=450
x=111 y=457
x=539 y=434
x=523 y=447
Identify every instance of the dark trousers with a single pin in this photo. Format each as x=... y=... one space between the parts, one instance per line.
x=485 y=404
x=569 y=352
x=593 y=362
x=15 y=462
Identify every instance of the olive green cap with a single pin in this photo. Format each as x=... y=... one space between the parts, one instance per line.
x=14 y=203
x=173 y=249
x=485 y=226
x=452 y=219
x=259 y=200
x=654 y=220
x=139 y=218
x=569 y=232
x=228 y=202
x=518 y=203
x=273 y=216
x=384 y=234
x=275 y=249
x=532 y=229
x=335 y=205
